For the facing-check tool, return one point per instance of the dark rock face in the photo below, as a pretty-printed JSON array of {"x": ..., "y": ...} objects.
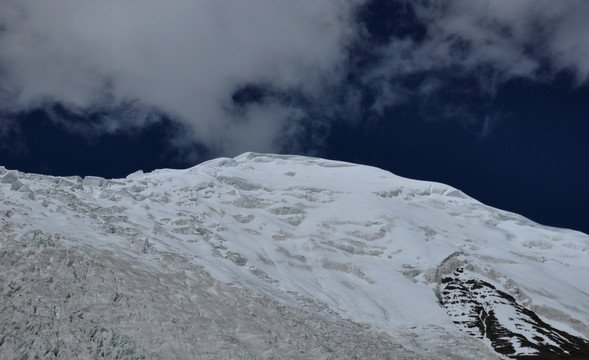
[{"x": 512, "y": 330}]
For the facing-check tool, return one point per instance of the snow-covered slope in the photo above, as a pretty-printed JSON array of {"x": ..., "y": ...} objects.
[{"x": 268, "y": 256}]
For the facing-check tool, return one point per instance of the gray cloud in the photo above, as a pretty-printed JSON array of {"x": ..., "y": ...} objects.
[
  {"x": 514, "y": 36},
  {"x": 134, "y": 60},
  {"x": 183, "y": 58},
  {"x": 488, "y": 41}
]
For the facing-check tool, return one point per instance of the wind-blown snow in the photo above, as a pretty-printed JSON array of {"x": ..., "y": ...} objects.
[{"x": 346, "y": 243}]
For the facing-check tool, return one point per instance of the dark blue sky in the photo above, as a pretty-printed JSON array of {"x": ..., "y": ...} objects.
[{"x": 512, "y": 139}]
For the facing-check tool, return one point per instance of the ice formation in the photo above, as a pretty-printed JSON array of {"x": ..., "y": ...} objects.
[{"x": 273, "y": 256}]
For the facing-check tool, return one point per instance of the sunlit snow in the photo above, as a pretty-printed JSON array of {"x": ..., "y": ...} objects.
[{"x": 311, "y": 234}]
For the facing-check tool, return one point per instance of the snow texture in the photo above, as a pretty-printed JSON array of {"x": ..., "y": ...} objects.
[{"x": 272, "y": 257}]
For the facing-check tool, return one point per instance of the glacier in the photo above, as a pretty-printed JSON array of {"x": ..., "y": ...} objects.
[{"x": 275, "y": 256}]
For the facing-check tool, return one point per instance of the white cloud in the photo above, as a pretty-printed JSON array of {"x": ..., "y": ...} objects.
[
  {"x": 515, "y": 35},
  {"x": 184, "y": 58},
  {"x": 493, "y": 41}
]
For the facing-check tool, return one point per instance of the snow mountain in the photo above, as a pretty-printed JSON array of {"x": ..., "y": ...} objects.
[{"x": 280, "y": 257}]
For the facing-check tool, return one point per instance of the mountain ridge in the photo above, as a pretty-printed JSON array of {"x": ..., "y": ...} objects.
[{"x": 348, "y": 246}]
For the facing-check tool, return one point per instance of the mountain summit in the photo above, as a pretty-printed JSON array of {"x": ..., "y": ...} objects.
[{"x": 281, "y": 257}]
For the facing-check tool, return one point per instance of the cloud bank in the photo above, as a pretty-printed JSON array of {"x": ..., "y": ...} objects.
[
  {"x": 248, "y": 75},
  {"x": 182, "y": 58}
]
